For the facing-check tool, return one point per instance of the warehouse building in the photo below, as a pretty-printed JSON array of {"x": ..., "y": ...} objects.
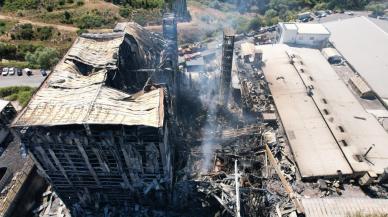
[
  {"x": 336, "y": 135},
  {"x": 98, "y": 128},
  {"x": 305, "y": 34},
  {"x": 364, "y": 45}
]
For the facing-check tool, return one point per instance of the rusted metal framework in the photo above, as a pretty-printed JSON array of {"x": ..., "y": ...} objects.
[{"x": 98, "y": 127}]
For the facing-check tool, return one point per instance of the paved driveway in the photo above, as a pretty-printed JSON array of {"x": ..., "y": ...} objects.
[{"x": 33, "y": 81}]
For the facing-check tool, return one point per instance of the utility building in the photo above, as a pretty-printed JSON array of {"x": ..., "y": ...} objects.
[
  {"x": 306, "y": 34},
  {"x": 96, "y": 129}
]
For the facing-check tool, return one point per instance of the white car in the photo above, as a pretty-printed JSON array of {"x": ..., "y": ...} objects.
[
  {"x": 349, "y": 13},
  {"x": 11, "y": 71},
  {"x": 5, "y": 72}
]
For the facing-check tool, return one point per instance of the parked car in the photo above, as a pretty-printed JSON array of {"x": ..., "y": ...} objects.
[
  {"x": 43, "y": 72},
  {"x": 351, "y": 13},
  {"x": 11, "y": 71},
  {"x": 27, "y": 71},
  {"x": 19, "y": 72},
  {"x": 5, "y": 71}
]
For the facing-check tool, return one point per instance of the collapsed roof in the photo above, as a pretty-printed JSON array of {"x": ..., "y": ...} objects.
[{"x": 78, "y": 91}]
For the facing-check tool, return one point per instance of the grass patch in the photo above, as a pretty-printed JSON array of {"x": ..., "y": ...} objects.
[
  {"x": 22, "y": 94},
  {"x": 18, "y": 64},
  {"x": 5, "y": 26}
]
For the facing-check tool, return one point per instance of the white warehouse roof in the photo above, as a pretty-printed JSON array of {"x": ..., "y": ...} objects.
[
  {"x": 365, "y": 46},
  {"x": 307, "y": 28}
]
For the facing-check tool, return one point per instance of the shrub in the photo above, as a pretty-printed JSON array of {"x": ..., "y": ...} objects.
[
  {"x": 20, "y": 93},
  {"x": 66, "y": 18},
  {"x": 14, "y": 5},
  {"x": 95, "y": 19},
  {"x": 377, "y": 9},
  {"x": 23, "y": 32},
  {"x": 2, "y": 27},
  {"x": 124, "y": 12},
  {"x": 88, "y": 21},
  {"x": 80, "y": 2},
  {"x": 44, "y": 33},
  {"x": 80, "y": 31},
  {"x": 16, "y": 52},
  {"x": 255, "y": 24},
  {"x": 44, "y": 57}
]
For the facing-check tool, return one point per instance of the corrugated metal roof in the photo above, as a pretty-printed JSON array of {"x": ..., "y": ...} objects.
[
  {"x": 317, "y": 125},
  {"x": 365, "y": 46},
  {"x": 71, "y": 97},
  {"x": 343, "y": 207}
]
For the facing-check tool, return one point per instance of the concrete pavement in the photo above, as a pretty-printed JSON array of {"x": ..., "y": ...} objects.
[{"x": 13, "y": 80}]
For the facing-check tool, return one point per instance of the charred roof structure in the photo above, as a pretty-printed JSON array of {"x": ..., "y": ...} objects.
[{"x": 98, "y": 126}]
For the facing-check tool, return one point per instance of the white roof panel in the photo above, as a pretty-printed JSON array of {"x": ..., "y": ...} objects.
[
  {"x": 365, "y": 46},
  {"x": 312, "y": 28}
]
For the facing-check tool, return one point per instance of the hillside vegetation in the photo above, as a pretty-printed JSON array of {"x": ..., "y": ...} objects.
[
  {"x": 22, "y": 94},
  {"x": 86, "y": 14},
  {"x": 270, "y": 12}
]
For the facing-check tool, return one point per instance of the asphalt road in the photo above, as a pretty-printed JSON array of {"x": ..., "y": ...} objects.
[
  {"x": 13, "y": 80},
  {"x": 383, "y": 24},
  {"x": 339, "y": 16}
]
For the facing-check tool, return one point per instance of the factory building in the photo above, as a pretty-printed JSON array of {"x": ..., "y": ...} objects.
[
  {"x": 98, "y": 128},
  {"x": 305, "y": 34},
  {"x": 353, "y": 39}
]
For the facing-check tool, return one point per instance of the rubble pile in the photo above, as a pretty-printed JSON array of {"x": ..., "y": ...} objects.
[
  {"x": 51, "y": 205},
  {"x": 256, "y": 98}
]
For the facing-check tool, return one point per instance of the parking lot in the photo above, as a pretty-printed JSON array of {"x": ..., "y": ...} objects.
[{"x": 33, "y": 80}]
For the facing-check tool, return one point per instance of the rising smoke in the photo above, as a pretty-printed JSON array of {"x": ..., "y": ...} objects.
[{"x": 208, "y": 88}]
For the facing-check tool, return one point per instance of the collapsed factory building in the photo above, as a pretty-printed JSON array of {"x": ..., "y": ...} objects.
[
  {"x": 99, "y": 127},
  {"x": 242, "y": 129}
]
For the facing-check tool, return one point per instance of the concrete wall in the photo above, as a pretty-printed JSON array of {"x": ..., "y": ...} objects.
[{"x": 315, "y": 40}]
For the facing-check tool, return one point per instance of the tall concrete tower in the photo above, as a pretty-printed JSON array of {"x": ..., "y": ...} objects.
[{"x": 226, "y": 64}]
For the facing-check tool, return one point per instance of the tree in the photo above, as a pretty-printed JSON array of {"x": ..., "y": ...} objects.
[
  {"x": 24, "y": 32},
  {"x": 44, "y": 33},
  {"x": 124, "y": 12},
  {"x": 271, "y": 13},
  {"x": 44, "y": 57},
  {"x": 377, "y": 9},
  {"x": 256, "y": 23}
]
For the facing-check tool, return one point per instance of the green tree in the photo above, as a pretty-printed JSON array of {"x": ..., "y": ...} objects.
[
  {"x": 44, "y": 57},
  {"x": 44, "y": 33},
  {"x": 256, "y": 23},
  {"x": 23, "y": 32},
  {"x": 377, "y": 9},
  {"x": 124, "y": 12},
  {"x": 14, "y": 5}
]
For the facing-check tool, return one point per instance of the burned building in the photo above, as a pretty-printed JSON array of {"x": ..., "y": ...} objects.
[
  {"x": 98, "y": 127},
  {"x": 180, "y": 9},
  {"x": 7, "y": 113}
]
